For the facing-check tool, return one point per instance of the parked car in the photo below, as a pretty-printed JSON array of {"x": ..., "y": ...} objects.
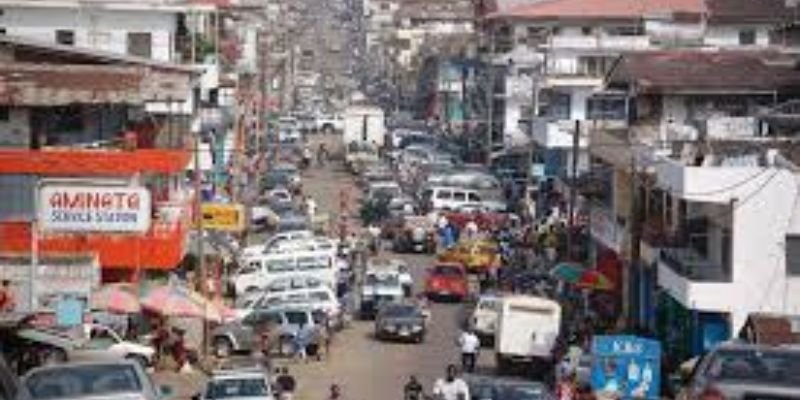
[
  {"x": 400, "y": 321},
  {"x": 447, "y": 280},
  {"x": 275, "y": 240},
  {"x": 238, "y": 384},
  {"x": 743, "y": 371},
  {"x": 103, "y": 344},
  {"x": 242, "y": 336},
  {"x": 320, "y": 298},
  {"x": 95, "y": 380}
]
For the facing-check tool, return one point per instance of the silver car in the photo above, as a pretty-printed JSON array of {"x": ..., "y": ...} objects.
[
  {"x": 120, "y": 380},
  {"x": 243, "y": 336},
  {"x": 238, "y": 384},
  {"x": 740, "y": 371}
]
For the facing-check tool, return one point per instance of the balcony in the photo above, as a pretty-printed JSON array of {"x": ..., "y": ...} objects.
[
  {"x": 600, "y": 42},
  {"x": 708, "y": 184},
  {"x": 695, "y": 281},
  {"x": 550, "y": 133}
]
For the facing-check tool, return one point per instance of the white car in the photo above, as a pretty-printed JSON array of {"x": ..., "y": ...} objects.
[
  {"x": 484, "y": 318},
  {"x": 252, "y": 384},
  {"x": 103, "y": 339}
]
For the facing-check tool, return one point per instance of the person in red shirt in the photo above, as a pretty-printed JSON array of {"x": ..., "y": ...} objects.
[{"x": 7, "y": 301}]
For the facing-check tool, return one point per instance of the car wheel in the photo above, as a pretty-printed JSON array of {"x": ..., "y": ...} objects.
[
  {"x": 223, "y": 347},
  {"x": 420, "y": 339},
  {"x": 138, "y": 358}
]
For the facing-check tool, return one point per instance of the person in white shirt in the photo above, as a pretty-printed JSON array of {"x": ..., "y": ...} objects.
[
  {"x": 472, "y": 230},
  {"x": 452, "y": 387},
  {"x": 470, "y": 345}
]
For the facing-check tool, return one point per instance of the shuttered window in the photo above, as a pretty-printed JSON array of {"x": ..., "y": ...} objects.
[
  {"x": 793, "y": 255},
  {"x": 16, "y": 201}
]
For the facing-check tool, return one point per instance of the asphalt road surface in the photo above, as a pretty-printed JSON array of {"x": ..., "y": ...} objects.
[{"x": 364, "y": 367}]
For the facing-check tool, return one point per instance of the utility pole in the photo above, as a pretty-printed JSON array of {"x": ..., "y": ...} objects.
[
  {"x": 573, "y": 190},
  {"x": 490, "y": 97},
  {"x": 198, "y": 220},
  {"x": 635, "y": 225}
]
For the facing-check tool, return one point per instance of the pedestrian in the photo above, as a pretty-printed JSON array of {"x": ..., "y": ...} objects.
[
  {"x": 567, "y": 388},
  {"x": 413, "y": 390},
  {"x": 306, "y": 157},
  {"x": 286, "y": 384},
  {"x": 470, "y": 345},
  {"x": 322, "y": 155},
  {"x": 300, "y": 343},
  {"x": 335, "y": 392},
  {"x": 7, "y": 300},
  {"x": 452, "y": 387}
]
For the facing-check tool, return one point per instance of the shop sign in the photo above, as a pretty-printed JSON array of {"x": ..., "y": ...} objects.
[
  {"x": 90, "y": 208},
  {"x": 223, "y": 217},
  {"x": 625, "y": 367}
]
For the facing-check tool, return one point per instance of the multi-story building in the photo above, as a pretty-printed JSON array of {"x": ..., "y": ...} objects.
[
  {"x": 559, "y": 51},
  {"x": 700, "y": 193},
  {"x": 78, "y": 116}
]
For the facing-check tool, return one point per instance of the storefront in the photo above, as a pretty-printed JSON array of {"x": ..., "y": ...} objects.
[{"x": 687, "y": 333}]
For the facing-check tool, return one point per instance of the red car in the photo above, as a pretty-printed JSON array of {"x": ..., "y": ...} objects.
[{"x": 447, "y": 280}]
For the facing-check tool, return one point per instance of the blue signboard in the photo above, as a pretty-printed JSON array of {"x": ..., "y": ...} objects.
[
  {"x": 626, "y": 367},
  {"x": 69, "y": 312}
]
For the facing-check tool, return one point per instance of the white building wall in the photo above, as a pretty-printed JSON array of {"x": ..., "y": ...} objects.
[
  {"x": 759, "y": 255},
  {"x": 728, "y": 35},
  {"x": 16, "y": 131},
  {"x": 99, "y": 29}
]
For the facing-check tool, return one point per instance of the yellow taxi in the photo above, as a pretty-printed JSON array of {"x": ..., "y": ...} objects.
[{"x": 476, "y": 255}]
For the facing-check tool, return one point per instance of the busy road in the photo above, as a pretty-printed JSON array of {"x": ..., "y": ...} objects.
[{"x": 365, "y": 367}]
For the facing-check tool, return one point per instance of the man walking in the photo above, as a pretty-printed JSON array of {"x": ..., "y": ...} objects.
[
  {"x": 451, "y": 387},
  {"x": 286, "y": 384},
  {"x": 470, "y": 345}
]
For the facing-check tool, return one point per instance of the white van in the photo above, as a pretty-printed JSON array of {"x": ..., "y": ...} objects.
[
  {"x": 322, "y": 298},
  {"x": 438, "y": 198},
  {"x": 527, "y": 330},
  {"x": 315, "y": 244},
  {"x": 484, "y": 317},
  {"x": 273, "y": 241},
  {"x": 259, "y": 272}
]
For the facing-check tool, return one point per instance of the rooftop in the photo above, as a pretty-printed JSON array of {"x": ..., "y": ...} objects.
[
  {"x": 706, "y": 71},
  {"x": 122, "y": 5},
  {"x": 755, "y": 11},
  {"x": 556, "y": 10}
]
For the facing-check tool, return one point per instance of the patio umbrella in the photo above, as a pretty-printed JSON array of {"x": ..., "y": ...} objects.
[
  {"x": 567, "y": 272},
  {"x": 594, "y": 280},
  {"x": 116, "y": 298},
  {"x": 172, "y": 301}
]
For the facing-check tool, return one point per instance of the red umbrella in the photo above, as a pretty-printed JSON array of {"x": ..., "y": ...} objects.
[
  {"x": 171, "y": 301},
  {"x": 116, "y": 298},
  {"x": 594, "y": 280}
]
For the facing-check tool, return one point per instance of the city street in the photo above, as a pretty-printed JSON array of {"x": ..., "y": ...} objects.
[{"x": 373, "y": 369}]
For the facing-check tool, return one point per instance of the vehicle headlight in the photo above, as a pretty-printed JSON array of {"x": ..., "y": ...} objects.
[
  {"x": 416, "y": 328},
  {"x": 389, "y": 328}
]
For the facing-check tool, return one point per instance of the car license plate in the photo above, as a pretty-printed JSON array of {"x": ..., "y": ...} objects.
[{"x": 404, "y": 332}]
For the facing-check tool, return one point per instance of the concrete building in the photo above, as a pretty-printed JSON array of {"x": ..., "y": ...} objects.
[{"x": 708, "y": 184}]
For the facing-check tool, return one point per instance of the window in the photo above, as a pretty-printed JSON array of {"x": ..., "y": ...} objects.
[
  {"x": 140, "y": 44},
  {"x": 605, "y": 108},
  {"x": 586, "y": 30},
  {"x": 5, "y": 114},
  {"x": 747, "y": 37},
  {"x": 443, "y": 195},
  {"x": 65, "y": 37},
  {"x": 556, "y": 30},
  {"x": 296, "y": 318},
  {"x": 2, "y": 31},
  {"x": 459, "y": 196},
  {"x": 793, "y": 255},
  {"x": 385, "y": 6},
  {"x": 627, "y": 30},
  {"x": 474, "y": 197}
]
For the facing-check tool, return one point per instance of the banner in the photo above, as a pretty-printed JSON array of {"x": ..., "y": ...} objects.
[{"x": 90, "y": 208}]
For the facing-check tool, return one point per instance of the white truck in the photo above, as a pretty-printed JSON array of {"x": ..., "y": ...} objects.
[
  {"x": 364, "y": 133},
  {"x": 527, "y": 331}
]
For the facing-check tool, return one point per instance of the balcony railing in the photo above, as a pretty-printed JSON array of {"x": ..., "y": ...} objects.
[{"x": 687, "y": 263}]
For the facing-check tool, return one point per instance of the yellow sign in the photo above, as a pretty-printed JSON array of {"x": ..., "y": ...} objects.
[{"x": 223, "y": 217}]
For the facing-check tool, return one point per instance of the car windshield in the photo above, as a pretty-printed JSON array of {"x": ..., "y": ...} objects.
[
  {"x": 447, "y": 270},
  {"x": 754, "y": 366},
  {"x": 229, "y": 388},
  {"x": 83, "y": 381},
  {"x": 400, "y": 311},
  {"x": 382, "y": 280}
]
